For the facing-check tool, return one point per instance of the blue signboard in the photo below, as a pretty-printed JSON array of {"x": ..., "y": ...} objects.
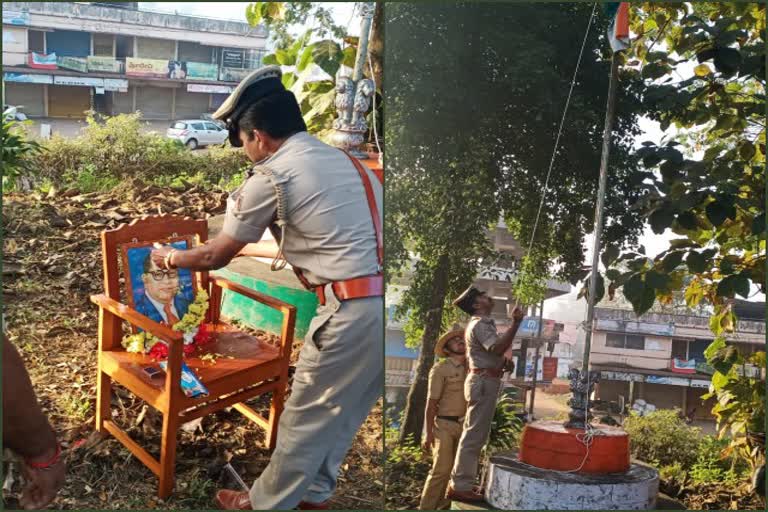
[
  {"x": 19, "y": 18},
  {"x": 529, "y": 327}
]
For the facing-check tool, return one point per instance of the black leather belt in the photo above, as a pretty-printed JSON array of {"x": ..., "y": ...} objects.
[{"x": 450, "y": 418}]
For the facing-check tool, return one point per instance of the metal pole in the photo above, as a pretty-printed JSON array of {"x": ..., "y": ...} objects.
[
  {"x": 598, "y": 231},
  {"x": 366, "y": 11},
  {"x": 536, "y": 358}
]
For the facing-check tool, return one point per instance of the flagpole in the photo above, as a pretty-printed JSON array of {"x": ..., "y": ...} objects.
[{"x": 584, "y": 382}]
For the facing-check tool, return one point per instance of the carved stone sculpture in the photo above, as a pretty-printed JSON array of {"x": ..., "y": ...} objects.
[{"x": 581, "y": 387}]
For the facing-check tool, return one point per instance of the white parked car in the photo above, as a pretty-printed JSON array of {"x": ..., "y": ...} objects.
[{"x": 195, "y": 133}]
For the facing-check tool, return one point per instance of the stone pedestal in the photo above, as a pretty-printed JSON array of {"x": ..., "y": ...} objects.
[{"x": 513, "y": 485}]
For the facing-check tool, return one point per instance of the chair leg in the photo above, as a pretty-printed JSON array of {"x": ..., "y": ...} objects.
[
  {"x": 275, "y": 410},
  {"x": 168, "y": 454},
  {"x": 103, "y": 400}
]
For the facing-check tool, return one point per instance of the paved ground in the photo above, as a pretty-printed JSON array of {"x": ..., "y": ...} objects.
[{"x": 554, "y": 407}]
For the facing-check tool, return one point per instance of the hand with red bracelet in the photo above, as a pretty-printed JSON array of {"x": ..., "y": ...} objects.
[
  {"x": 43, "y": 477},
  {"x": 27, "y": 433}
]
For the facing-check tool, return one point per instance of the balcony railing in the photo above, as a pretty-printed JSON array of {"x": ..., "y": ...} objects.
[{"x": 702, "y": 322}]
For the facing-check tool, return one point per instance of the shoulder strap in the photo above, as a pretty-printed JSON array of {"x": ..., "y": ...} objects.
[{"x": 372, "y": 206}]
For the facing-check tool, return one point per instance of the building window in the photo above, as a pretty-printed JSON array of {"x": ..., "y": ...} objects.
[
  {"x": 628, "y": 341},
  {"x": 36, "y": 41},
  {"x": 103, "y": 45},
  {"x": 680, "y": 349}
]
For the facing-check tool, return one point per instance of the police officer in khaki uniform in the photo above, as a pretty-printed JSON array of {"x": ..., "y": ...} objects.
[
  {"x": 485, "y": 349},
  {"x": 322, "y": 206},
  {"x": 445, "y": 412}
]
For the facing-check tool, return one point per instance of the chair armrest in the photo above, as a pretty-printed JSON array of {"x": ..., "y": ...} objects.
[
  {"x": 133, "y": 317},
  {"x": 252, "y": 294}
]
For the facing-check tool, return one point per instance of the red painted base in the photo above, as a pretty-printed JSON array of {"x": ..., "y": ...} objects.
[{"x": 549, "y": 445}]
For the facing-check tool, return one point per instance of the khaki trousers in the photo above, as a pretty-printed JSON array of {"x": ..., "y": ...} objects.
[
  {"x": 447, "y": 435},
  {"x": 339, "y": 377},
  {"x": 481, "y": 393}
]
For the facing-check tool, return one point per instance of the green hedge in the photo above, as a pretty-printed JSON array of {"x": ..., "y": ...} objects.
[{"x": 115, "y": 151}]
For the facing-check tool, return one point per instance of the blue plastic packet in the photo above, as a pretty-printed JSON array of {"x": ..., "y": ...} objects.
[{"x": 190, "y": 383}]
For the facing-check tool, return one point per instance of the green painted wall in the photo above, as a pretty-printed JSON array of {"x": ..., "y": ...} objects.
[{"x": 256, "y": 276}]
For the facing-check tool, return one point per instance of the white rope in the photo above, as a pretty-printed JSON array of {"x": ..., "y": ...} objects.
[
  {"x": 590, "y": 432},
  {"x": 559, "y": 134}
]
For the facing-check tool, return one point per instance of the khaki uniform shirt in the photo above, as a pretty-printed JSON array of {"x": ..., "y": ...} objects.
[
  {"x": 480, "y": 336},
  {"x": 446, "y": 384},
  {"x": 330, "y": 234}
]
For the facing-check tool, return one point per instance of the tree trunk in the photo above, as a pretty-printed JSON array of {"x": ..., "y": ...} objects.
[
  {"x": 376, "y": 52},
  {"x": 376, "y": 44},
  {"x": 413, "y": 422}
]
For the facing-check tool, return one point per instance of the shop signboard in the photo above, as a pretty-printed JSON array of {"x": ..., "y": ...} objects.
[
  {"x": 73, "y": 63},
  {"x": 18, "y": 18},
  {"x": 104, "y": 64},
  {"x": 216, "y": 89},
  {"x": 232, "y": 74},
  {"x": 81, "y": 81},
  {"x": 146, "y": 67},
  {"x": 28, "y": 78},
  {"x": 201, "y": 71}
]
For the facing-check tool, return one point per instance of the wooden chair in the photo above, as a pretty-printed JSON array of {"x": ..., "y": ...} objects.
[{"x": 256, "y": 367}]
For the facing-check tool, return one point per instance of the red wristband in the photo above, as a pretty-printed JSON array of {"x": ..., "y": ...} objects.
[{"x": 47, "y": 464}]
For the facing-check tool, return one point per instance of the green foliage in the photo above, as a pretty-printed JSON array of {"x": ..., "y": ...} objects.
[
  {"x": 531, "y": 283},
  {"x": 740, "y": 405},
  {"x": 662, "y": 438},
  {"x": 683, "y": 455},
  {"x": 282, "y": 17},
  {"x": 714, "y": 203},
  {"x": 18, "y": 151},
  {"x": 316, "y": 98},
  {"x": 117, "y": 151},
  {"x": 714, "y": 465},
  {"x": 506, "y": 427}
]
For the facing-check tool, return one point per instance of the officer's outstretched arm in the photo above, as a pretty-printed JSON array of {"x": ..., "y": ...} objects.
[
  {"x": 215, "y": 254},
  {"x": 262, "y": 249}
]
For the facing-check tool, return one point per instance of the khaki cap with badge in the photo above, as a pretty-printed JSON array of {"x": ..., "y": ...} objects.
[
  {"x": 257, "y": 85},
  {"x": 466, "y": 300}
]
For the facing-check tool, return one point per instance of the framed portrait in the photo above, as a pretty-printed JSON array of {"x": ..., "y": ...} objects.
[{"x": 163, "y": 295}]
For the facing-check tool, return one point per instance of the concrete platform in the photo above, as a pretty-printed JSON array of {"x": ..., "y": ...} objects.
[
  {"x": 663, "y": 502},
  {"x": 513, "y": 485}
]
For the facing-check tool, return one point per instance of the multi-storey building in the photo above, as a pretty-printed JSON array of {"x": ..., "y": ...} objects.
[
  {"x": 659, "y": 357},
  {"x": 61, "y": 59}
]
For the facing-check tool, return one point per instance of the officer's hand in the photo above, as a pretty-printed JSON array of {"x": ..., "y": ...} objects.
[
  {"x": 41, "y": 485},
  {"x": 518, "y": 314},
  {"x": 429, "y": 443},
  {"x": 158, "y": 255}
]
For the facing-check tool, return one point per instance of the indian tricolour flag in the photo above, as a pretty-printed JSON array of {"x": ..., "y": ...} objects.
[{"x": 618, "y": 31}]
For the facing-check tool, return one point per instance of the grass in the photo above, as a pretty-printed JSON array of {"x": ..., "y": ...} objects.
[{"x": 76, "y": 407}]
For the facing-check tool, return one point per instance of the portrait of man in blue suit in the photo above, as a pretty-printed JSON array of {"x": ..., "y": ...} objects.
[{"x": 163, "y": 298}]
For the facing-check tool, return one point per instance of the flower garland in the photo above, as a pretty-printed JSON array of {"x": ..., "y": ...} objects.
[{"x": 195, "y": 332}]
